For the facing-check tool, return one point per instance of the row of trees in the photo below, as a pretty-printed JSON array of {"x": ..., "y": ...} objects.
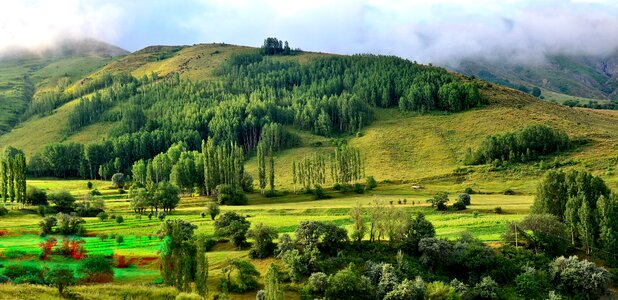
[
  {"x": 13, "y": 171},
  {"x": 520, "y": 146}
]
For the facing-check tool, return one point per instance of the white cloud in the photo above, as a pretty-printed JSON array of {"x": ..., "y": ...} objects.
[{"x": 439, "y": 31}]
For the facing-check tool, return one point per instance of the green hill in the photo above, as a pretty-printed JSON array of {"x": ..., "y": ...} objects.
[
  {"x": 398, "y": 146},
  {"x": 24, "y": 73}
]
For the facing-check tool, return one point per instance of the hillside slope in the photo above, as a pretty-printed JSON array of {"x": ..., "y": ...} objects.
[
  {"x": 579, "y": 76},
  {"x": 47, "y": 69},
  {"x": 398, "y": 146}
]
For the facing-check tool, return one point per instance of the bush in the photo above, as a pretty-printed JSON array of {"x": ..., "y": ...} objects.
[
  {"x": 3, "y": 211},
  {"x": 486, "y": 289},
  {"x": 319, "y": 193},
  {"x": 4, "y": 279},
  {"x": 213, "y": 209},
  {"x": 508, "y": 192},
  {"x": 119, "y": 239},
  {"x": 16, "y": 271},
  {"x": 41, "y": 209},
  {"x": 36, "y": 196},
  {"x": 64, "y": 201},
  {"x": 94, "y": 192},
  {"x": 337, "y": 186},
  {"x": 439, "y": 201},
  {"x": 89, "y": 185},
  {"x": 118, "y": 180},
  {"x": 459, "y": 205},
  {"x": 469, "y": 191},
  {"x": 228, "y": 195},
  {"x": 440, "y": 290},
  {"x": 70, "y": 224},
  {"x": 465, "y": 198},
  {"x": 359, "y": 188},
  {"x": 46, "y": 226},
  {"x": 371, "y": 183},
  {"x": 102, "y": 216},
  {"x": 498, "y": 210},
  {"x": 119, "y": 219},
  {"x": 102, "y": 236},
  {"x": 96, "y": 268}
]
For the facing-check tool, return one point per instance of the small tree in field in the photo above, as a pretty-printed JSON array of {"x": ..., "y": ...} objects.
[
  {"x": 213, "y": 209},
  {"x": 60, "y": 277},
  {"x": 118, "y": 180},
  {"x": 439, "y": 201}
]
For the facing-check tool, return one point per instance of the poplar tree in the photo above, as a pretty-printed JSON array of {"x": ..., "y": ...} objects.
[
  {"x": 586, "y": 226},
  {"x": 571, "y": 216},
  {"x": 201, "y": 265},
  {"x": 261, "y": 166},
  {"x": 608, "y": 226},
  {"x": 271, "y": 177},
  {"x": 272, "y": 288}
]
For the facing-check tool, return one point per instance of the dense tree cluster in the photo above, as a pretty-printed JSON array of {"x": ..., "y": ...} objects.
[
  {"x": 273, "y": 46},
  {"x": 587, "y": 208},
  {"x": 13, "y": 171},
  {"x": 183, "y": 257},
  {"x": 520, "y": 146}
]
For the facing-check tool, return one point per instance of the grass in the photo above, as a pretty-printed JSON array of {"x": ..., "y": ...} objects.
[{"x": 284, "y": 213}]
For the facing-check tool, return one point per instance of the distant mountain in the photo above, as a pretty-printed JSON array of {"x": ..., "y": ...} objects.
[
  {"x": 64, "y": 48},
  {"x": 579, "y": 76}
]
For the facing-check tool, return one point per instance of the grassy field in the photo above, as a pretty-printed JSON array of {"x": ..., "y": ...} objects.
[{"x": 141, "y": 244}]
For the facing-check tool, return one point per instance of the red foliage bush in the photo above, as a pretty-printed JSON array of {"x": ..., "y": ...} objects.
[
  {"x": 120, "y": 261},
  {"x": 77, "y": 249},
  {"x": 46, "y": 248},
  {"x": 4, "y": 232}
]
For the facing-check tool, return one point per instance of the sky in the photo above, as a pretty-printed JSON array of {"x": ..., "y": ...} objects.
[{"x": 440, "y": 31}]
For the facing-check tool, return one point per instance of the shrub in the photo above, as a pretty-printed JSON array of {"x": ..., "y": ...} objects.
[
  {"x": 64, "y": 201},
  {"x": 213, "y": 209},
  {"x": 579, "y": 278},
  {"x": 440, "y": 290},
  {"x": 119, "y": 239},
  {"x": 41, "y": 209},
  {"x": 36, "y": 196},
  {"x": 319, "y": 193},
  {"x": 439, "y": 201},
  {"x": 102, "y": 216},
  {"x": 337, "y": 186},
  {"x": 4, "y": 279},
  {"x": 498, "y": 210},
  {"x": 487, "y": 288},
  {"x": 162, "y": 216},
  {"x": 228, "y": 195},
  {"x": 118, "y": 180},
  {"x": 3, "y": 211},
  {"x": 94, "y": 192},
  {"x": 371, "y": 183},
  {"x": 263, "y": 237},
  {"x": 16, "y": 271},
  {"x": 96, "y": 268},
  {"x": 47, "y": 225},
  {"x": 233, "y": 226},
  {"x": 47, "y": 247},
  {"x": 89, "y": 185},
  {"x": 469, "y": 191},
  {"x": 359, "y": 188},
  {"x": 508, "y": 192},
  {"x": 465, "y": 198},
  {"x": 459, "y": 205},
  {"x": 102, "y": 236},
  {"x": 70, "y": 224},
  {"x": 119, "y": 219}
]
